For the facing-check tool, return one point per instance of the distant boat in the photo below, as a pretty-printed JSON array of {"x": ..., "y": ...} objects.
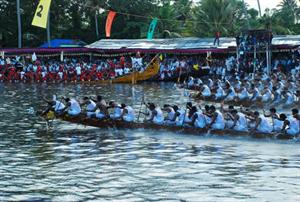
[{"x": 151, "y": 70}]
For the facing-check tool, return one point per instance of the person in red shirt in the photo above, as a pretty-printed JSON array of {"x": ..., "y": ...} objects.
[{"x": 122, "y": 61}]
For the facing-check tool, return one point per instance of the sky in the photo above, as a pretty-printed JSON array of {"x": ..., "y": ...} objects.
[{"x": 263, "y": 4}]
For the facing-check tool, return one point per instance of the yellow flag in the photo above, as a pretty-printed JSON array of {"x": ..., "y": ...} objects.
[
  {"x": 161, "y": 57},
  {"x": 196, "y": 67},
  {"x": 41, "y": 14}
]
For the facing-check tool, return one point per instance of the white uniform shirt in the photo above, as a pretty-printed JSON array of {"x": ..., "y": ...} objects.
[{"x": 206, "y": 91}]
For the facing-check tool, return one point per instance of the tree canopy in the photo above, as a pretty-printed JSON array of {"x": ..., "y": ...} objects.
[{"x": 75, "y": 19}]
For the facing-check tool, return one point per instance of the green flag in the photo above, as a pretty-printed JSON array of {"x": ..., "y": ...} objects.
[{"x": 152, "y": 28}]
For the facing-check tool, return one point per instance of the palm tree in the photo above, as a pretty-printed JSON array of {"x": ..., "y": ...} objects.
[
  {"x": 217, "y": 15},
  {"x": 290, "y": 11},
  {"x": 169, "y": 26}
]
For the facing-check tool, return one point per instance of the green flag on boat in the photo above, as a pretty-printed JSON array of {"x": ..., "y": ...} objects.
[{"x": 152, "y": 28}]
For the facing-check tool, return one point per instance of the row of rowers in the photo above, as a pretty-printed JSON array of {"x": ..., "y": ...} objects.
[
  {"x": 283, "y": 92},
  {"x": 193, "y": 116}
]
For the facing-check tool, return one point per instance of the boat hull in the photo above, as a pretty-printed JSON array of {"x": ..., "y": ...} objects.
[{"x": 118, "y": 124}]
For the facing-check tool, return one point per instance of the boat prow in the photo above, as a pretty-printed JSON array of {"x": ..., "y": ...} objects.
[{"x": 150, "y": 71}]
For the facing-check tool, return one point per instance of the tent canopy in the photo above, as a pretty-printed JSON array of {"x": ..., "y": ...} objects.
[
  {"x": 56, "y": 43},
  {"x": 183, "y": 43}
]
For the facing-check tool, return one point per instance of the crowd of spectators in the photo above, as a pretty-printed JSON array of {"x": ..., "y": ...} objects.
[
  {"x": 68, "y": 70},
  {"x": 171, "y": 67}
]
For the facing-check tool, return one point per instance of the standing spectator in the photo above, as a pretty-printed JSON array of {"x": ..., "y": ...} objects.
[{"x": 217, "y": 38}]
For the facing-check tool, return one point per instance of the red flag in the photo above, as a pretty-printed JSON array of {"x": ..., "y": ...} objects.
[{"x": 109, "y": 20}]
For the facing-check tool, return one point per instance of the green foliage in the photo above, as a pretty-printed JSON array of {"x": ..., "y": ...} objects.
[{"x": 75, "y": 19}]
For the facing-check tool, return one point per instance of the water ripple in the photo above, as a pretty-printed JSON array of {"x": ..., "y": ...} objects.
[{"x": 75, "y": 163}]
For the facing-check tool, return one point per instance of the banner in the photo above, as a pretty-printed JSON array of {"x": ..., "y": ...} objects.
[
  {"x": 109, "y": 20},
  {"x": 152, "y": 28},
  {"x": 41, "y": 14}
]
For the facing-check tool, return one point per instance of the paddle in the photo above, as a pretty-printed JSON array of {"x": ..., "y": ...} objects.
[{"x": 141, "y": 105}]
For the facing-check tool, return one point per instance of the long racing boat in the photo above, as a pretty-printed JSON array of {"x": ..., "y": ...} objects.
[
  {"x": 150, "y": 71},
  {"x": 245, "y": 103},
  {"x": 119, "y": 124}
]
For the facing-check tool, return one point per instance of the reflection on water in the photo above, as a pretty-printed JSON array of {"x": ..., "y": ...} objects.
[{"x": 76, "y": 163}]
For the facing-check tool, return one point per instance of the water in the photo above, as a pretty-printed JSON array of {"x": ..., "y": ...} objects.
[{"x": 76, "y": 163}]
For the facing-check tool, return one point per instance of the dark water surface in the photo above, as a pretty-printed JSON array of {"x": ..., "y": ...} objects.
[{"x": 76, "y": 163}]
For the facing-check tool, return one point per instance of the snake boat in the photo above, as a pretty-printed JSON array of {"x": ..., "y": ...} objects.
[
  {"x": 150, "y": 71},
  {"x": 244, "y": 103},
  {"x": 119, "y": 124}
]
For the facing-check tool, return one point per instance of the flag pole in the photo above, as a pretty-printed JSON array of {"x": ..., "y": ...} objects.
[
  {"x": 48, "y": 30},
  {"x": 19, "y": 25}
]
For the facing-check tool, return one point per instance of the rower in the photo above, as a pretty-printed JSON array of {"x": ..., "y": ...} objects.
[
  {"x": 220, "y": 93},
  {"x": 117, "y": 111},
  {"x": 277, "y": 123},
  {"x": 205, "y": 91},
  {"x": 230, "y": 94},
  {"x": 198, "y": 119},
  {"x": 243, "y": 93},
  {"x": 207, "y": 114},
  {"x": 156, "y": 114},
  {"x": 101, "y": 108},
  {"x": 90, "y": 105},
  {"x": 256, "y": 96},
  {"x": 210, "y": 83},
  {"x": 217, "y": 119},
  {"x": 72, "y": 107},
  {"x": 128, "y": 114},
  {"x": 288, "y": 97},
  {"x": 189, "y": 117},
  {"x": 291, "y": 125},
  {"x": 261, "y": 123},
  {"x": 239, "y": 121},
  {"x": 53, "y": 105},
  {"x": 266, "y": 95},
  {"x": 170, "y": 115},
  {"x": 277, "y": 95},
  {"x": 190, "y": 83},
  {"x": 179, "y": 115}
]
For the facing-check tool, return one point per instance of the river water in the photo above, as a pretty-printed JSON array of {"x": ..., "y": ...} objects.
[{"x": 76, "y": 163}]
